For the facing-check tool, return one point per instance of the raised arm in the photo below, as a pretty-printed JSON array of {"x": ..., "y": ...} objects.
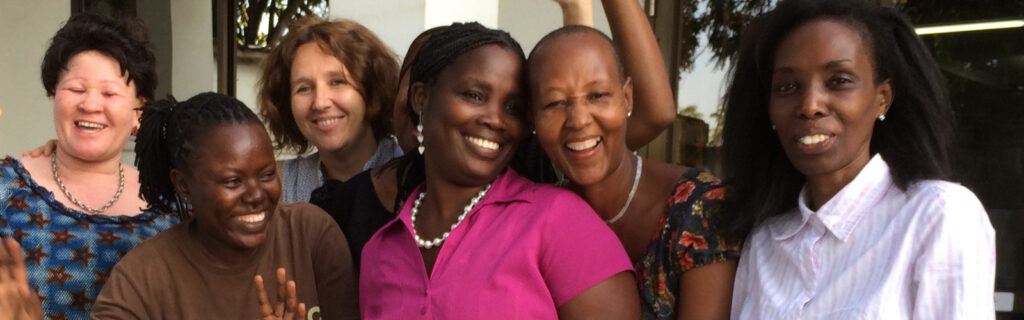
[
  {"x": 577, "y": 12},
  {"x": 654, "y": 107}
]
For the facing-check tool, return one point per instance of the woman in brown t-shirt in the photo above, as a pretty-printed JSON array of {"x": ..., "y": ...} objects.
[{"x": 210, "y": 159}]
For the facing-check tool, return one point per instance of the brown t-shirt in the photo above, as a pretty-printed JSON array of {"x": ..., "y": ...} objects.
[{"x": 170, "y": 276}]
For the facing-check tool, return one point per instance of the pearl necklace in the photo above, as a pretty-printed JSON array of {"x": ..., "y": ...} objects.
[
  {"x": 437, "y": 241},
  {"x": 88, "y": 209},
  {"x": 632, "y": 192}
]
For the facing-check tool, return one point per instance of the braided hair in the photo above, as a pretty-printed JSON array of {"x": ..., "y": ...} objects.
[
  {"x": 168, "y": 137},
  {"x": 441, "y": 50}
]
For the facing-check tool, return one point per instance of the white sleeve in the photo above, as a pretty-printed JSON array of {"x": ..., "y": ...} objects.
[{"x": 954, "y": 272}]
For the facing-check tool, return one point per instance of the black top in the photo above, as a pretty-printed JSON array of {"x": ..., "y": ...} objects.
[{"x": 354, "y": 206}]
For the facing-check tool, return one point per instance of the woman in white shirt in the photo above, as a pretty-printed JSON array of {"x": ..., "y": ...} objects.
[{"x": 836, "y": 145}]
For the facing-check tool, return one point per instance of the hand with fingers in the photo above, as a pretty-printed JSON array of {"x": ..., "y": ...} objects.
[
  {"x": 17, "y": 300},
  {"x": 42, "y": 151},
  {"x": 287, "y": 306}
]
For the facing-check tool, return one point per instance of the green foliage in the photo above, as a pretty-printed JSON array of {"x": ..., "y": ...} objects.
[
  {"x": 721, "y": 22},
  {"x": 261, "y": 23}
]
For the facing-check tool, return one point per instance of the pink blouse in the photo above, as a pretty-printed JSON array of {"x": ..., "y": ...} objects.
[{"x": 525, "y": 250}]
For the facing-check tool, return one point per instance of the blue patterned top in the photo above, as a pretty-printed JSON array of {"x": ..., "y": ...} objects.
[{"x": 68, "y": 253}]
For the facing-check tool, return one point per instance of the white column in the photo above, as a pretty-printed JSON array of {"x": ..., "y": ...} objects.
[{"x": 193, "y": 67}]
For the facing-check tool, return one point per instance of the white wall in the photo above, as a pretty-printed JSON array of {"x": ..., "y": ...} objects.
[
  {"x": 193, "y": 66},
  {"x": 444, "y": 12},
  {"x": 158, "y": 23},
  {"x": 247, "y": 74},
  {"x": 530, "y": 20},
  {"x": 25, "y": 31},
  {"x": 396, "y": 22}
]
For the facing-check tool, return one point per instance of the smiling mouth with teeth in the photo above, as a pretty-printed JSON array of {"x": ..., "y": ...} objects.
[
  {"x": 813, "y": 139},
  {"x": 484, "y": 143},
  {"x": 583, "y": 145},
  {"x": 89, "y": 125},
  {"x": 326, "y": 122},
  {"x": 252, "y": 218}
]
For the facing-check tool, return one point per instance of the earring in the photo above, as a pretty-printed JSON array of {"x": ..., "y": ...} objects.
[
  {"x": 881, "y": 117},
  {"x": 419, "y": 137},
  {"x": 629, "y": 114},
  {"x": 773, "y": 127}
]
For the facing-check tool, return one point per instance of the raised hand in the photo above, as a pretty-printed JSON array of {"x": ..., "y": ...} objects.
[
  {"x": 42, "y": 151},
  {"x": 17, "y": 300},
  {"x": 287, "y": 306}
]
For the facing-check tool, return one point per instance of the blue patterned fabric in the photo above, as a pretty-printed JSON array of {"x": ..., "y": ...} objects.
[{"x": 68, "y": 253}]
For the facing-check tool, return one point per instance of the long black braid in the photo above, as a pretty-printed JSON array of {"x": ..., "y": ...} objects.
[
  {"x": 169, "y": 136},
  {"x": 443, "y": 47}
]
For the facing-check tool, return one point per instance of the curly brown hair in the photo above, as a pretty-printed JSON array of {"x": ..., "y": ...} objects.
[{"x": 371, "y": 64}]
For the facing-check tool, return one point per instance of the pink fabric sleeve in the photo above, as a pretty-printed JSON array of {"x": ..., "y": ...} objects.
[{"x": 578, "y": 250}]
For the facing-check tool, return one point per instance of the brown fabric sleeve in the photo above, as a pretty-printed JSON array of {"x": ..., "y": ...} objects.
[{"x": 120, "y": 298}]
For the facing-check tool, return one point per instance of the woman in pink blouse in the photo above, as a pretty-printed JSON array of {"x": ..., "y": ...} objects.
[
  {"x": 476, "y": 240},
  {"x": 837, "y": 132}
]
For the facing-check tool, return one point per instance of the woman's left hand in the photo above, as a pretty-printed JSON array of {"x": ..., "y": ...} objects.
[
  {"x": 17, "y": 300},
  {"x": 287, "y": 306}
]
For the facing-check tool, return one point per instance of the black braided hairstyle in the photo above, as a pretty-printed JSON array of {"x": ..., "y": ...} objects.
[
  {"x": 440, "y": 50},
  {"x": 168, "y": 137}
]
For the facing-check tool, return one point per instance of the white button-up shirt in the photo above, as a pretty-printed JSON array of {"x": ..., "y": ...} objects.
[{"x": 873, "y": 251}]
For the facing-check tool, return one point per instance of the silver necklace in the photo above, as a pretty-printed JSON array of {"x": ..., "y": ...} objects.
[
  {"x": 427, "y": 244},
  {"x": 88, "y": 209},
  {"x": 632, "y": 192}
]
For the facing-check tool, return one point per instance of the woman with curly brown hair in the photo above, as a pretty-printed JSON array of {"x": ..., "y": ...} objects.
[{"x": 329, "y": 85}]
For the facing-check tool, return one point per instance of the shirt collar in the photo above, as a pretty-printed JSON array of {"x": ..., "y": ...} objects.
[{"x": 840, "y": 214}]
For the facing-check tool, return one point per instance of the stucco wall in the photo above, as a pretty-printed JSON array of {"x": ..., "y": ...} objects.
[{"x": 25, "y": 30}]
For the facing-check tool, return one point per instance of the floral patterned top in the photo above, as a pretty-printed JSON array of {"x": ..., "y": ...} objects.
[
  {"x": 68, "y": 253},
  {"x": 684, "y": 242}
]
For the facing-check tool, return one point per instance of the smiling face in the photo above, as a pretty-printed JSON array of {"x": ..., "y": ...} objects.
[
  {"x": 580, "y": 103},
  {"x": 94, "y": 107},
  {"x": 472, "y": 115},
  {"x": 233, "y": 185},
  {"x": 825, "y": 99},
  {"x": 328, "y": 108}
]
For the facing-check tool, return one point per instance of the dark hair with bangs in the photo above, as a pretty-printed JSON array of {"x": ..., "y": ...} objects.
[
  {"x": 914, "y": 139},
  {"x": 123, "y": 40},
  {"x": 373, "y": 67}
]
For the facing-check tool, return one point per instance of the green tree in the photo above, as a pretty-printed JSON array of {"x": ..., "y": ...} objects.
[
  {"x": 261, "y": 23},
  {"x": 721, "y": 22}
]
